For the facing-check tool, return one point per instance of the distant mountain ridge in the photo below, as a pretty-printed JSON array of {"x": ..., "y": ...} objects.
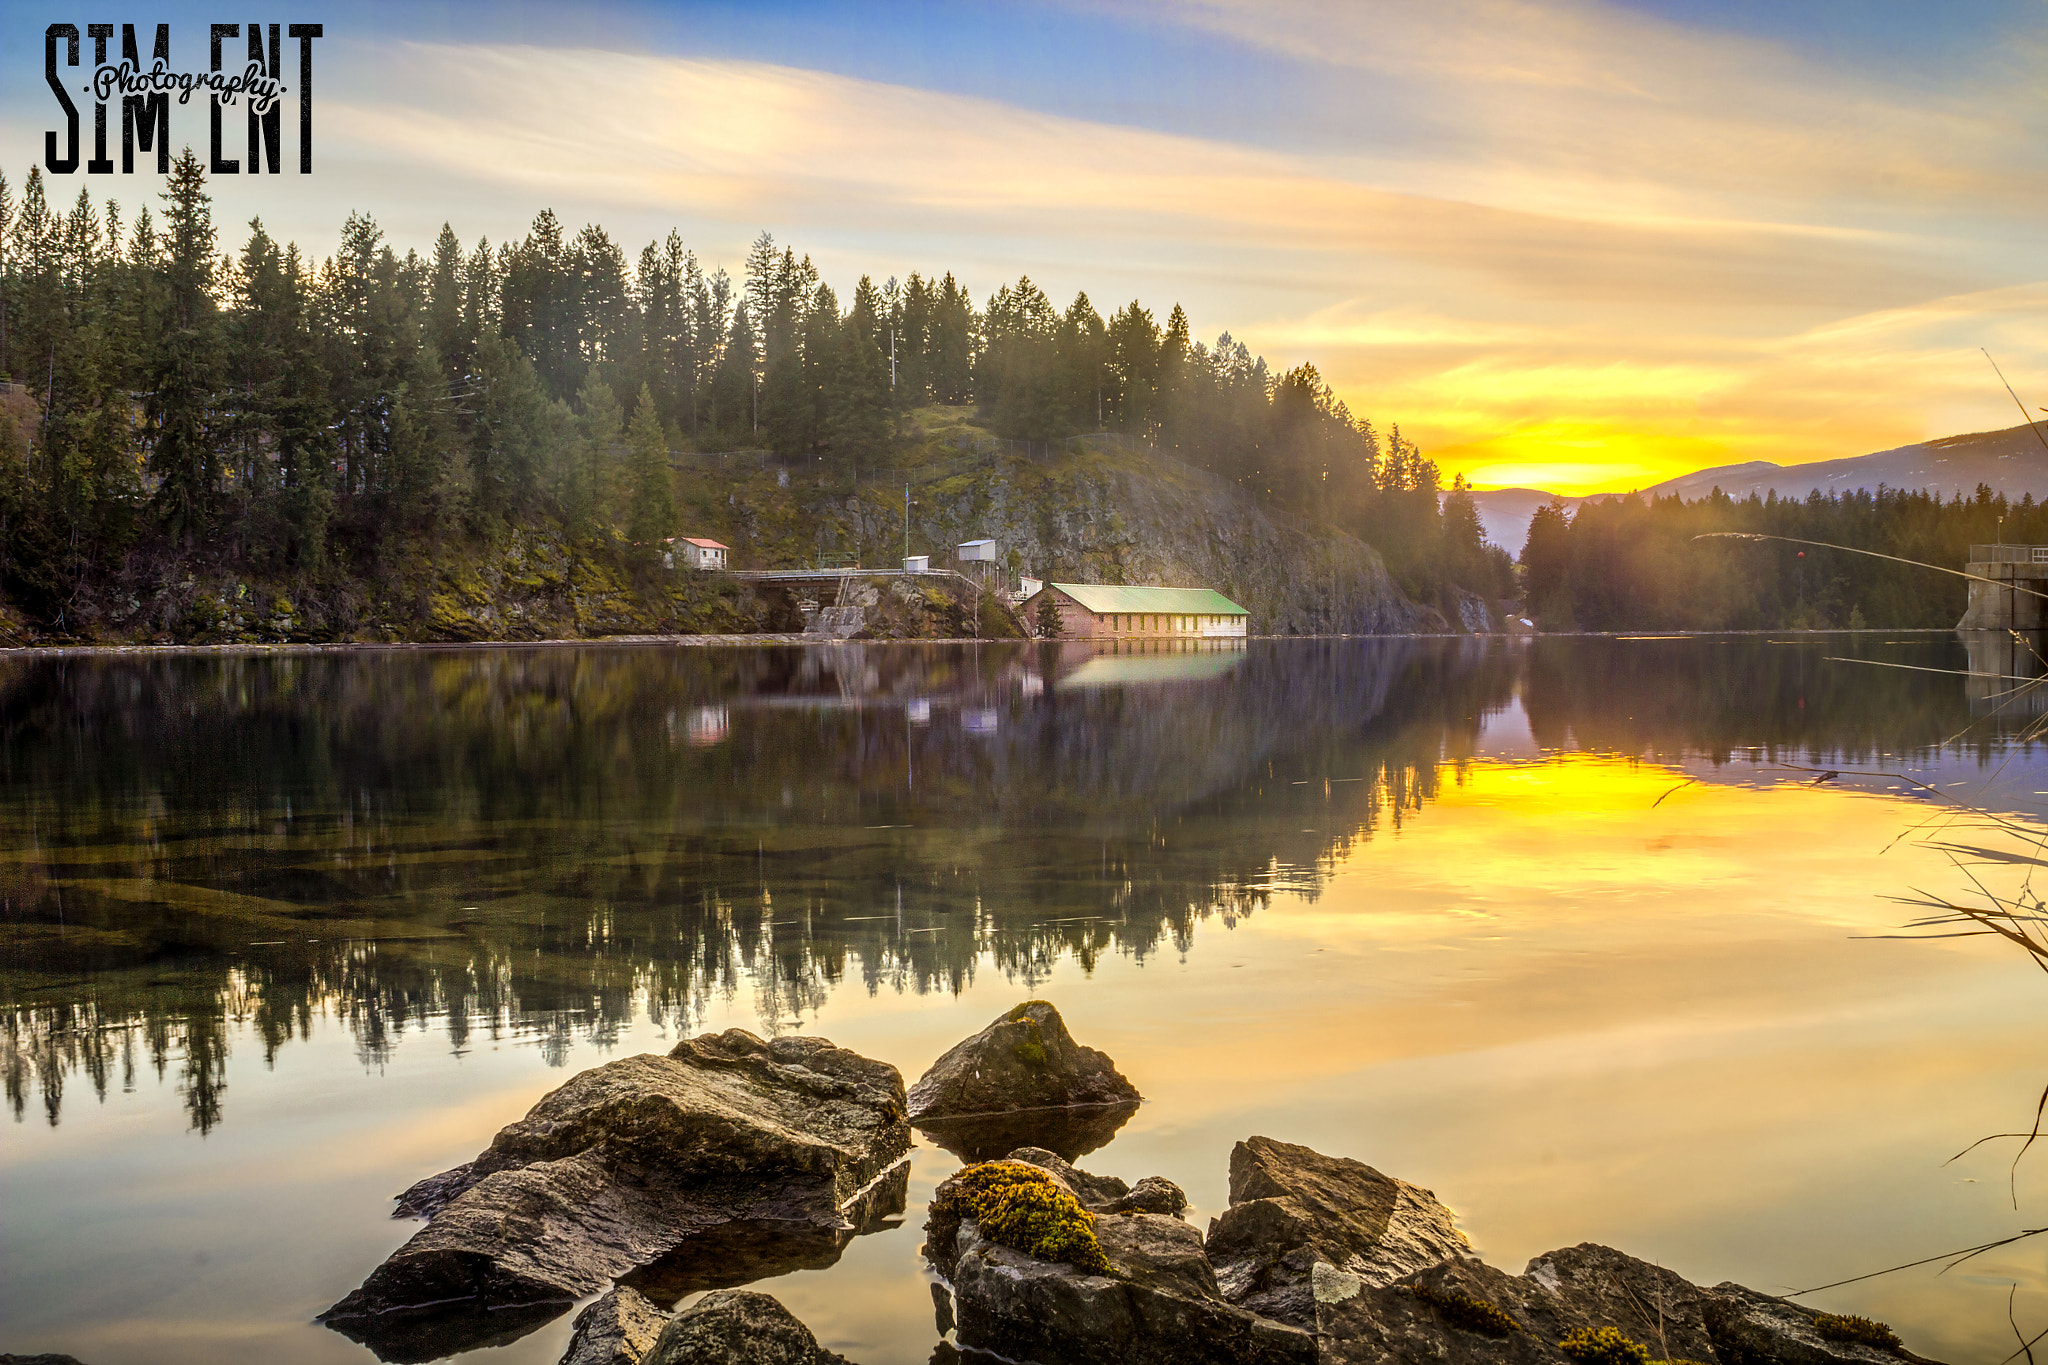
[{"x": 2013, "y": 462}]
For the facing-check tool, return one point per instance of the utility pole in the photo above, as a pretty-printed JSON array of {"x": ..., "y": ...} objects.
[
  {"x": 892, "y": 365},
  {"x": 906, "y": 525},
  {"x": 757, "y": 407}
]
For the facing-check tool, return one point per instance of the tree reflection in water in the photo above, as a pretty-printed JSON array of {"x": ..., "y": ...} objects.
[{"x": 541, "y": 842}]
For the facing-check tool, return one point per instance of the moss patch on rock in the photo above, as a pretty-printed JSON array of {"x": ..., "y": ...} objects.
[
  {"x": 1023, "y": 1208},
  {"x": 1604, "y": 1346},
  {"x": 1848, "y": 1327},
  {"x": 1467, "y": 1312}
]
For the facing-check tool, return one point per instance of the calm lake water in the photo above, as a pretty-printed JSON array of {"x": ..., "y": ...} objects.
[{"x": 284, "y": 933}]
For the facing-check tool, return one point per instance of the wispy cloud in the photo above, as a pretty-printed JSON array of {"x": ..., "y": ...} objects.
[{"x": 1538, "y": 233}]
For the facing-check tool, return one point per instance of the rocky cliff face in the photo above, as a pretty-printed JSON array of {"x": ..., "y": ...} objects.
[{"x": 1096, "y": 519}]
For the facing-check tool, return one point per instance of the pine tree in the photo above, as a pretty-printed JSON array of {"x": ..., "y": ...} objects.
[
  {"x": 596, "y": 488},
  {"x": 1046, "y": 621},
  {"x": 179, "y": 408},
  {"x": 446, "y": 329},
  {"x": 651, "y": 515}
]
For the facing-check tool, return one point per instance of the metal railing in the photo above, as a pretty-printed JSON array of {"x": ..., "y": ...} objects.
[{"x": 2009, "y": 554}]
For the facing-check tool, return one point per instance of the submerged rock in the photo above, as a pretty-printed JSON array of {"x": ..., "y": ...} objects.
[
  {"x": 1024, "y": 1060},
  {"x": 738, "y": 1327},
  {"x": 620, "y": 1328},
  {"x": 1291, "y": 1207},
  {"x": 626, "y": 1162}
]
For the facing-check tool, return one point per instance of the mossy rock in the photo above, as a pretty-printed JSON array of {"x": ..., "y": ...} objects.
[
  {"x": 1025, "y": 1209},
  {"x": 1847, "y": 1327},
  {"x": 1467, "y": 1312},
  {"x": 1604, "y": 1346}
]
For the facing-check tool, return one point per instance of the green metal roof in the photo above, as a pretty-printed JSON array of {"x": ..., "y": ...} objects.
[{"x": 1103, "y": 598}]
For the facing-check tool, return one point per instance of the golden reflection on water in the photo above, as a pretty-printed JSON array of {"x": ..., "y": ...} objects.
[{"x": 1579, "y": 996}]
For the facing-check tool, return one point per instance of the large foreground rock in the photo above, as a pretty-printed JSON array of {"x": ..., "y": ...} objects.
[
  {"x": 1158, "y": 1308},
  {"x": 1024, "y": 1060},
  {"x": 727, "y": 1327},
  {"x": 1465, "y": 1312},
  {"x": 1159, "y": 1305},
  {"x": 627, "y": 1162},
  {"x": 738, "y": 1327},
  {"x": 619, "y": 1328},
  {"x": 1608, "y": 1288},
  {"x": 1320, "y": 1258},
  {"x": 1291, "y": 1207}
]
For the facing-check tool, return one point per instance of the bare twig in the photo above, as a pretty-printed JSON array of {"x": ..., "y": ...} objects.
[
  {"x": 1679, "y": 788},
  {"x": 2032, "y": 1136},
  {"x": 1954, "y": 1259},
  {"x": 2016, "y": 400}
]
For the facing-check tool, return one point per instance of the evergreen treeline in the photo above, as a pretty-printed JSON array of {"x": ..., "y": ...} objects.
[
  {"x": 288, "y": 416},
  {"x": 1629, "y": 564}
]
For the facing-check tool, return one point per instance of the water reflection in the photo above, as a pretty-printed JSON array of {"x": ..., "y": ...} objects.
[{"x": 539, "y": 843}]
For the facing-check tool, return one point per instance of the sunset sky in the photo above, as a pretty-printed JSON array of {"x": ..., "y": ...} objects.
[{"x": 1583, "y": 246}]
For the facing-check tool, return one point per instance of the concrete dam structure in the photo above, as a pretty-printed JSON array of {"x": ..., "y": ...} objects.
[{"x": 2012, "y": 598}]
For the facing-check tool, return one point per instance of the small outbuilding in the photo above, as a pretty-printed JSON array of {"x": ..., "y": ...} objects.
[
  {"x": 977, "y": 552},
  {"x": 1107, "y": 611},
  {"x": 698, "y": 553}
]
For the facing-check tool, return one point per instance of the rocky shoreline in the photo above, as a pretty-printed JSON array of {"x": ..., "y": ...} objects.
[{"x": 732, "y": 1159}]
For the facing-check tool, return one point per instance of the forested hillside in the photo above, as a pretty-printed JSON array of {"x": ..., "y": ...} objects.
[{"x": 176, "y": 408}]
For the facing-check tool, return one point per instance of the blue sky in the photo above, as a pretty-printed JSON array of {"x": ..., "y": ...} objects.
[{"x": 1589, "y": 244}]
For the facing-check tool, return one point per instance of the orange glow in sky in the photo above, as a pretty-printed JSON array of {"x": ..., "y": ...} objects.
[{"x": 1564, "y": 243}]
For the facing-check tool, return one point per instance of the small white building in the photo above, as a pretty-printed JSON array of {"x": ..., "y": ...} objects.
[
  {"x": 701, "y": 554},
  {"x": 917, "y": 563},
  {"x": 977, "y": 552}
]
